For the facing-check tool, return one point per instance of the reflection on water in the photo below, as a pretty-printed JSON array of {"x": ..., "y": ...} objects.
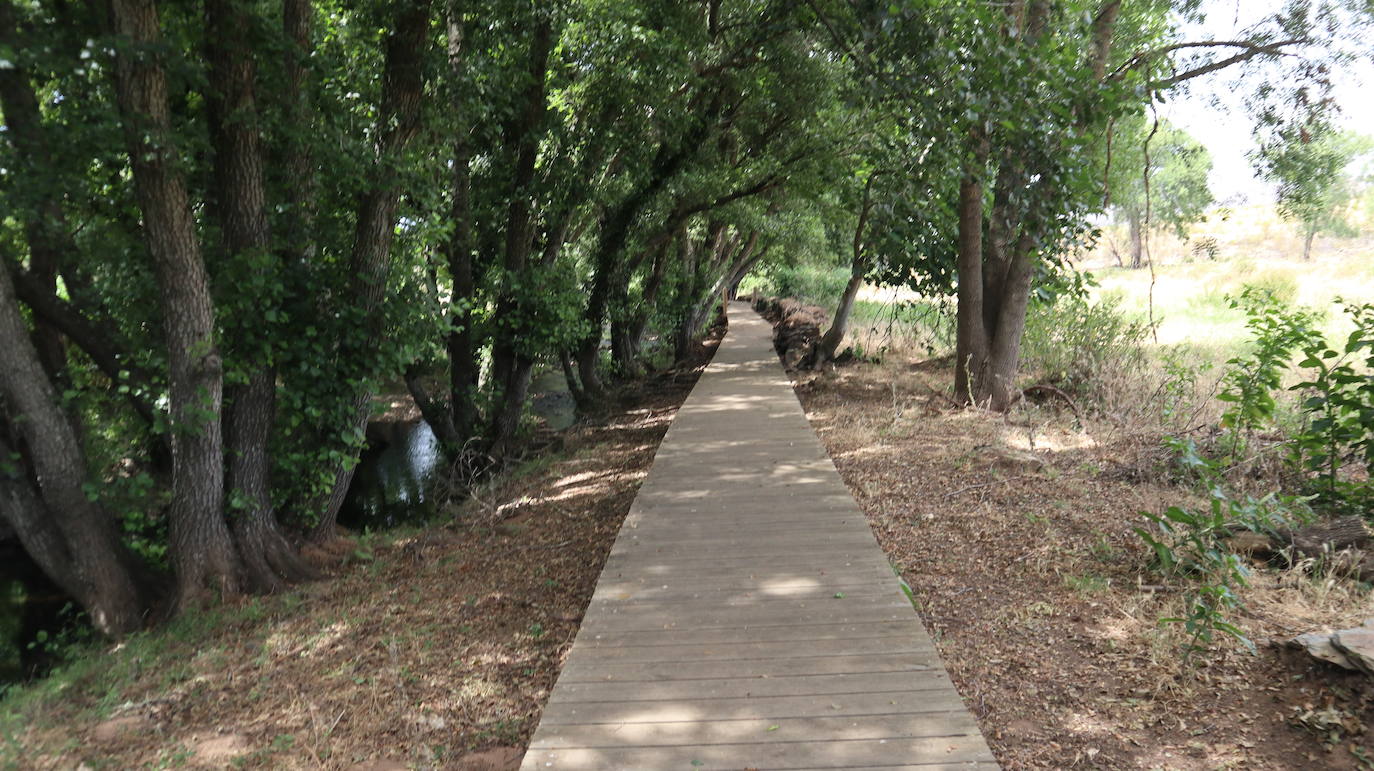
[
  {"x": 391, "y": 485},
  {"x": 397, "y": 469},
  {"x": 550, "y": 400}
]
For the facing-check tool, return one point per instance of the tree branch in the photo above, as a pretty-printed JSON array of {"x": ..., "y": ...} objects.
[{"x": 1250, "y": 50}]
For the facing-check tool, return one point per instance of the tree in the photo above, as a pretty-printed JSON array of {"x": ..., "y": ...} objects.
[
  {"x": 1158, "y": 179},
  {"x": 1017, "y": 99},
  {"x": 1311, "y": 166}
]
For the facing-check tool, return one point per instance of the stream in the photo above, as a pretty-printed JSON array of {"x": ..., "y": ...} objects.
[{"x": 398, "y": 467}]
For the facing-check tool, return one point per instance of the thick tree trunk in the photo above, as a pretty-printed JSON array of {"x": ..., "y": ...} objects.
[
  {"x": 971, "y": 336},
  {"x": 250, "y": 410},
  {"x": 998, "y": 388},
  {"x": 90, "y": 560},
  {"x": 22, "y": 509},
  {"x": 296, "y": 162},
  {"x": 464, "y": 368},
  {"x": 510, "y": 366},
  {"x": 370, "y": 261},
  {"x": 1307, "y": 243},
  {"x": 201, "y": 549}
]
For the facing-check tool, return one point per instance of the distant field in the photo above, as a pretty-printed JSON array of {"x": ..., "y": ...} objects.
[
  {"x": 1191, "y": 289},
  {"x": 1252, "y": 247}
]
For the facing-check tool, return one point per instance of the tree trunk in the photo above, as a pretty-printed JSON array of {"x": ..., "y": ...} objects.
[
  {"x": 1307, "y": 243},
  {"x": 971, "y": 336},
  {"x": 511, "y": 367},
  {"x": 830, "y": 341},
  {"x": 250, "y": 410},
  {"x": 298, "y": 228},
  {"x": 370, "y": 261},
  {"x": 201, "y": 549},
  {"x": 640, "y": 320},
  {"x": 22, "y": 509},
  {"x": 998, "y": 387},
  {"x": 839, "y": 327},
  {"x": 89, "y": 560},
  {"x": 584, "y": 405},
  {"x": 1137, "y": 229},
  {"x": 458, "y": 249}
]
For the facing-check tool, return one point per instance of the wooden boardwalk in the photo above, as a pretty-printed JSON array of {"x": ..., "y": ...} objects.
[{"x": 746, "y": 617}]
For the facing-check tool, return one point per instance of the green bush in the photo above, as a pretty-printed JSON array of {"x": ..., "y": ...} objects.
[
  {"x": 1191, "y": 545},
  {"x": 1340, "y": 411},
  {"x": 1075, "y": 344},
  {"x": 814, "y": 284}
]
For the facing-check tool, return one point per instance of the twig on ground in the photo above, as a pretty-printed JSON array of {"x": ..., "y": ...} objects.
[
  {"x": 940, "y": 394},
  {"x": 984, "y": 484},
  {"x": 1047, "y": 388}
]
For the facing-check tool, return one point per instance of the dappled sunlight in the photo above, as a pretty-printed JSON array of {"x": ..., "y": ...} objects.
[{"x": 1048, "y": 441}]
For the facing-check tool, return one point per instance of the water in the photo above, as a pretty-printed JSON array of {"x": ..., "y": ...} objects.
[
  {"x": 396, "y": 470},
  {"x": 551, "y": 400},
  {"x": 30, "y": 603}
]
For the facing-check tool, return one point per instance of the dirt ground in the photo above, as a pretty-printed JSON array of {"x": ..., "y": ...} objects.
[
  {"x": 428, "y": 648},
  {"x": 1027, "y": 573}
]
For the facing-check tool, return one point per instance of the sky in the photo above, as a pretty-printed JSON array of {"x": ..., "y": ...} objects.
[{"x": 1212, "y": 109}]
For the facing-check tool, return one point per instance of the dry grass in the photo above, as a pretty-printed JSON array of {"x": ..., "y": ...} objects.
[{"x": 1040, "y": 595}]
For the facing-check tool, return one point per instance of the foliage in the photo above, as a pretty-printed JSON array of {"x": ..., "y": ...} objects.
[
  {"x": 1249, "y": 385},
  {"x": 1191, "y": 545},
  {"x": 1074, "y": 343},
  {"x": 1316, "y": 176},
  {"x": 1339, "y": 405},
  {"x": 815, "y": 284},
  {"x": 1178, "y": 167}
]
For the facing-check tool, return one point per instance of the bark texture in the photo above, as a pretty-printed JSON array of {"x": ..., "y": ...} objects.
[
  {"x": 201, "y": 548},
  {"x": 72, "y": 538}
]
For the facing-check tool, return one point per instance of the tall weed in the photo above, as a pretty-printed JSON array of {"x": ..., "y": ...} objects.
[{"x": 1078, "y": 346}]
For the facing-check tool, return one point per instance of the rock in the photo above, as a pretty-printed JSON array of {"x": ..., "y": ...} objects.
[
  {"x": 116, "y": 728},
  {"x": 1358, "y": 646},
  {"x": 1319, "y": 646},
  {"x": 219, "y": 750},
  {"x": 1011, "y": 459},
  {"x": 1250, "y": 542},
  {"x": 495, "y": 759}
]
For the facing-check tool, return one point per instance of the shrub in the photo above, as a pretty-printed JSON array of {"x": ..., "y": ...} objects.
[
  {"x": 1340, "y": 409},
  {"x": 1191, "y": 545},
  {"x": 819, "y": 285},
  {"x": 1076, "y": 344}
]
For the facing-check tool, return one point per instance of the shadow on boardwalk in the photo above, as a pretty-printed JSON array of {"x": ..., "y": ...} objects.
[{"x": 746, "y": 617}]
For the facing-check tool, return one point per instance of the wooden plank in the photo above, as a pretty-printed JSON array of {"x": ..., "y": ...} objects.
[
  {"x": 706, "y": 655},
  {"x": 584, "y": 670},
  {"x": 764, "y": 707},
  {"x": 748, "y": 730},
  {"x": 942, "y": 752},
  {"x": 774, "y": 633},
  {"x": 738, "y": 688}
]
